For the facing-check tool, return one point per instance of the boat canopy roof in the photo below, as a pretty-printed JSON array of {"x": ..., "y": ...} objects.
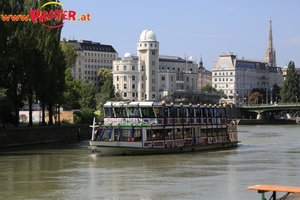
[{"x": 152, "y": 104}]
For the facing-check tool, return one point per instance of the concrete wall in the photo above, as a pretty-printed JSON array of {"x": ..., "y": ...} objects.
[{"x": 17, "y": 137}]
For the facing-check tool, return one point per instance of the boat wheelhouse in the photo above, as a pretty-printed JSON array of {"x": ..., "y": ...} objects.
[{"x": 149, "y": 127}]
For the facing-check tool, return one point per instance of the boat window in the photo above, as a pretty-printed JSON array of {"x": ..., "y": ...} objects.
[
  {"x": 158, "y": 112},
  {"x": 124, "y": 134},
  {"x": 137, "y": 135},
  {"x": 107, "y": 112},
  {"x": 134, "y": 112},
  {"x": 173, "y": 112},
  {"x": 105, "y": 135},
  {"x": 147, "y": 112},
  {"x": 120, "y": 112}
]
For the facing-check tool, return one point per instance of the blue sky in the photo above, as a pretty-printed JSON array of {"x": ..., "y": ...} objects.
[{"x": 192, "y": 27}]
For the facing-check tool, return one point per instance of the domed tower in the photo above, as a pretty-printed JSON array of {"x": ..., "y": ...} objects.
[{"x": 148, "y": 52}]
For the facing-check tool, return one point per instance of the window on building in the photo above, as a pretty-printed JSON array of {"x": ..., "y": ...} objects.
[
  {"x": 125, "y": 78},
  {"x": 133, "y": 94},
  {"x": 125, "y": 67},
  {"x": 117, "y": 86},
  {"x": 132, "y": 67},
  {"x": 216, "y": 79},
  {"x": 125, "y": 86},
  {"x": 142, "y": 86},
  {"x": 153, "y": 52},
  {"x": 117, "y": 68},
  {"x": 142, "y": 78},
  {"x": 133, "y": 86},
  {"x": 125, "y": 94},
  {"x": 172, "y": 78},
  {"x": 163, "y": 78},
  {"x": 153, "y": 63},
  {"x": 133, "y": 78},
  {"x": 187, "y": 79},
  {"x": 117, "y": 78}
]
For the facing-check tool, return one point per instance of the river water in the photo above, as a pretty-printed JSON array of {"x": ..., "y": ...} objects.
[{"x": 266, "y": 155}]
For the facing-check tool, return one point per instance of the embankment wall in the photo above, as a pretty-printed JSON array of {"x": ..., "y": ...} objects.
[{"x": 27, "y": 136}]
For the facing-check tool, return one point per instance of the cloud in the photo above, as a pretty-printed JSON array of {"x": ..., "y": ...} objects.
[{"x": 293, "y": 41}]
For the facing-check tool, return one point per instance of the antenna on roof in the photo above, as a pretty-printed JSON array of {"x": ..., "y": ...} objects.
[{"x": 73, "y": 37}]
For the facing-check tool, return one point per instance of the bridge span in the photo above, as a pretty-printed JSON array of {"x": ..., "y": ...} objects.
[{"x": 272, "y": 108}]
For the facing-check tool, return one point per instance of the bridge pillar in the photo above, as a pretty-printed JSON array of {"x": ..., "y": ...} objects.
[{"x": 258, "y": 116}]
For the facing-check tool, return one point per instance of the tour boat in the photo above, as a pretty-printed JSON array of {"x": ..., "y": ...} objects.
[{"x": 149, "y": 127}]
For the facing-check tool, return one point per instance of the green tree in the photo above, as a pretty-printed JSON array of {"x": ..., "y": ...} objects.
[
  {"x": 69, "y": 52},
  {"x": 51, "y": 80},
  {"x": 211, "y": 89},
  {"x": 107, "y": 92},
  {"x": 290, "y": 90},
  {"x": 72, "y": 93},
  {"x": 87, "y": 96}
]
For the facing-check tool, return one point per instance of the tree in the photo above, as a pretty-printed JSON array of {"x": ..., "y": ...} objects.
[
  {"x": 107, "y": 88},
  {"x": 51, "y": 80},
  {"x": 290, "y": 90},
  {"x": 255, "y": 98},
  {"x": 107, "y": 92},
  {"x": 69, "y": 52},
  {"x": 71, "y": 94},
  {"x": 211, "y": 89},
  {"x": 87, "y": 96}
]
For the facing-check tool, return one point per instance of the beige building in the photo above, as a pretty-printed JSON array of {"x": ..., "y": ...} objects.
[
  {"x": 238, "y": 77},
  {"x": 150, "y": 76},
  {"x": 204, "y": 76},
  {"x": 91, "y": 57}
]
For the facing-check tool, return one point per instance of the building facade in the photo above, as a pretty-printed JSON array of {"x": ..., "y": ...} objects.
[
  {"x": 238, "y": 77},
  {"x": 150, "y": 76},
  {"x": 204, "y": 76},
  {"x": 91, "y": 57}
]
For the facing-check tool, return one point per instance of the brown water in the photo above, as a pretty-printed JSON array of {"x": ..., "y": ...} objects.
[{"x": 267, "y": 154}]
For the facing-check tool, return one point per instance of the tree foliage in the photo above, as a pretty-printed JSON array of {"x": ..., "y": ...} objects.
[
  {"x": 290, "y": 90},
  {"x": 211, "y": 89}
]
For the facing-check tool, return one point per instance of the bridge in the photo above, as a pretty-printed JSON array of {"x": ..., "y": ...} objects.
[{"x": 272, "y": 108}]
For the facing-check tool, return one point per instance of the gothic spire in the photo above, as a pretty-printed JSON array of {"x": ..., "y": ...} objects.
[
  {"x": 270, "y": 55},
  {"x": 270, "y": 46}
]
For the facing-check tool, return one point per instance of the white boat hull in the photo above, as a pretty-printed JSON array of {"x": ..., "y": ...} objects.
[{"x": 103, "y": 149}]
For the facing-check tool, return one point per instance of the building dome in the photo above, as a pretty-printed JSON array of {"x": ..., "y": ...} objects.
[
  {"x": 127, "y": 55},
  {"x": 148, "y": 35}
]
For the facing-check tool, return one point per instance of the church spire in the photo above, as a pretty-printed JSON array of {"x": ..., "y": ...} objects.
[
  {"x": 270, "y": 55},
  {"x": 270, "y": 36}
]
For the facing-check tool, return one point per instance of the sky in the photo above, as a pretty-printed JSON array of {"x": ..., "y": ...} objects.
[{"x": 192, "y": 27}]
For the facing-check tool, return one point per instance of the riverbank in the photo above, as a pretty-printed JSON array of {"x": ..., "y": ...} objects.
[
  {"x": 29, "y": 136},
  {"x": 265, "y": 121}
]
